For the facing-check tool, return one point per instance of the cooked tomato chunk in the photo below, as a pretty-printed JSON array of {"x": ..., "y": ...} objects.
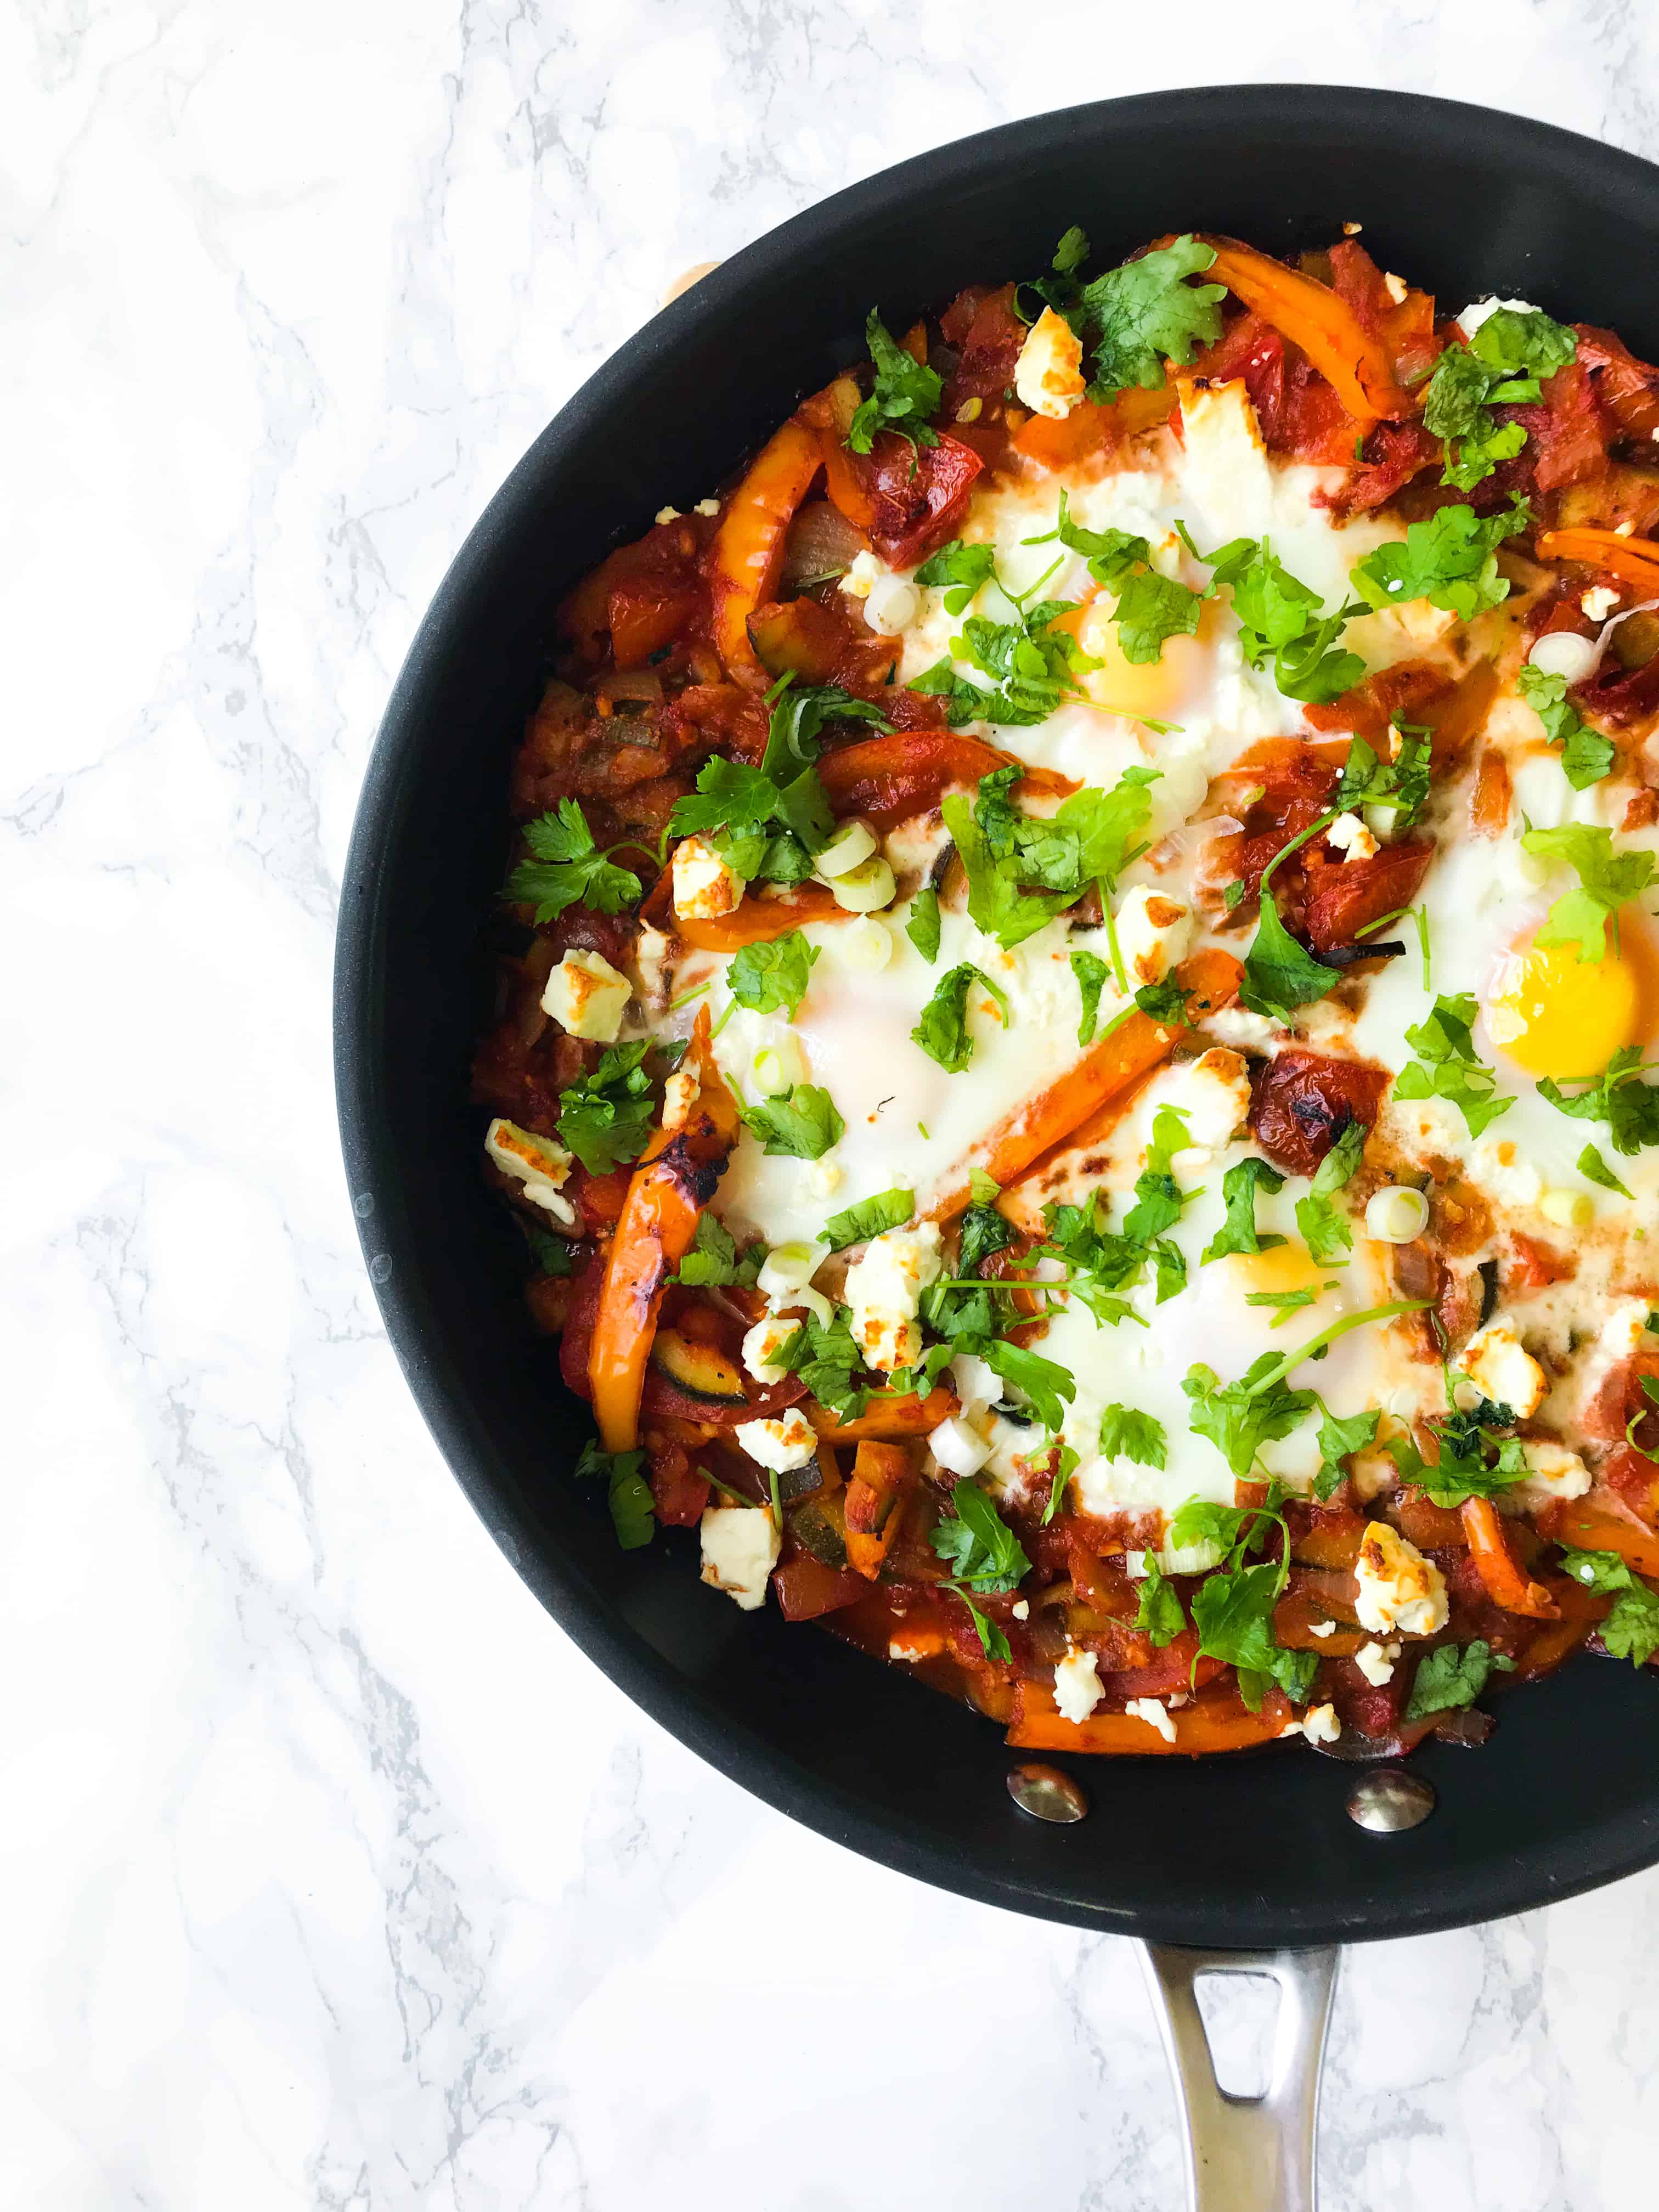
[{"x": 1302, "y": 1102}]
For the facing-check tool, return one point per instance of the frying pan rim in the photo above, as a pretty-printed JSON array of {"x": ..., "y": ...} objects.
[{"x": 736, "y": 1750}]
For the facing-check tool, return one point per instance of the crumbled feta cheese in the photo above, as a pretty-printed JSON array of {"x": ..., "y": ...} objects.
[
  {"x": 1153, "y": 934},
  {"x": 711, "y": 507},
  {"x": 651, "y": 959},
  {"x": 1501, "y": 1370},
  {"x": 1213, "y": 1092},
  {"x": 1320, "y": 1725},
  {"x": 1237, "y": 1026},
  {"x": 1321, "y": 1628},
  {"x": 780, "y": 1446},
  {"x": 538, "y": 1163},
  {"x": 705, "y": 887},
  {"x": 1048, "y": 374},
  {"x": 587, "y": 996},
  {"x": 884, "y": 1289},
  {"x": 679, "y": 1096},
  {"x": 1397, "y": 1588},
  {"x": 1154, "y": 1716},
  {"x": 739, "y": 1551},
  {"x": 1021, "y": 1608},
  {"x": 668, "y": 515},
  {"x": 762, "y": 1345},
  {"x": 1395, "y": 287},
  {"x": 957, "y": 1446},
  {"x": 1552, "y": 1471},
  {"x": 1350, "y": 835},
  {"x": 1599, "y": 602},
  {"x": 1376, "y": 1662},
  {"x": 1077, "y": 1685}
]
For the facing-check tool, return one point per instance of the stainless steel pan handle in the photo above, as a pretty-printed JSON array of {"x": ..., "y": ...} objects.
[{"x": 1246, "y": 2153}]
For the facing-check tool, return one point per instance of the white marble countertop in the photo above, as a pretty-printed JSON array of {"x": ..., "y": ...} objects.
[{"x": 335, "y": 1876}]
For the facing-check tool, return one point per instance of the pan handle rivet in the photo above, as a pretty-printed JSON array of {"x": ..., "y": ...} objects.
[
  {"x": 1389, "y": 1799},
  {"x": 1045, "y": 1793}
]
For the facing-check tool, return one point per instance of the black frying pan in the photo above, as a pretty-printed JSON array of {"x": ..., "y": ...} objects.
[{"x": 1251, "y": 1851}]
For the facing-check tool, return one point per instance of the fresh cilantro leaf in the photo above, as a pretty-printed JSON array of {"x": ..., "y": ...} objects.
[
  {"x": 1447, "y": 1068},
  {"x": 607, "y": 1117},
  {"x": 923, "y": 927},
  {"x": 1159, "y": 1614},
  {"x": 1594, "y": 1168},
  {"x": 966, "y": 569},
  {"x": 632, "y": 1514},
  {"x": 730, "y": 795},
  {"x": 1504, "y": 363},
  {"x": 992, "y": 1640},
  {"x": 1233, "y": 1613},
  {"x": 1607, "y": 881},
  {"x": 800, "y": 712},
  {"x": 1112, "y": 555},
  {"x": 1127, "y": 1434},
  {"x": 713, "y": 1263},
  {"x": 825, "y": 1357},
  {"x": 905, "y": 393},
  {"x": 1288, "y": 1302},
  {"x": 1450, "y": 559},
  {"x": 1631, "y": 1630},
  {"x": 1617, "y": 1096},
  {"x": 550, "y": 1254},
  {"x": 1108, "y": 826},
  {"x": 1046, "y": 1387},
  {"x": 1239, "y": 1418},
  {"x": 1281, "y": 617},
  {"x": 1099, "y": 1265},
  {"x": 942, "y": 1032},
  {"x": 1323, "y": 1225},
  {"x": 772, "y": 977},
  {"x": 1146, "y": 311},
  {"x": 1402, "y": 784},
  {"x": 1463, "y": 1470},
  {"x": 1238, "y": 1232},
  {"x": 1586, "y": 755},
  {"x": 1449, "y": 1678},
  {"x": 567, "y": 869},
  {"x": 1170, "y": 1262},
  {"x": 982, "y": 1232},
  {"x": 1280, "y": 975},
  {"x": 1340, "y": 1436},
  {"x": 997, "y": 900},
  {"x": 1151, "y": 608},
  {"x": 870, "y": 1216},
  {"x": 977, "y": 1544},
  {"x": 803, "y": 1126},
  {"x": 1091, "y": 972},
  {"x": 1158, "y": 1198}
]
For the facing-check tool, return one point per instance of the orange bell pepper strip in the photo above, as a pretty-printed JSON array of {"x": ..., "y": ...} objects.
[
  {"x": 1210, "y": 1725},
  {"x": 887, "y": 1420},
  {"x": 1319, "y": 320},
  {"x": 1587, "y": 1528},
  {"x": 881, "y": 1474},
  {"x": 1506, "y": 1585},
  {"x": 888, "y": 779},
  {"x": 1581, "y": 1610},
  {"x": 673, "y": 1181},
  {"x": 1212, "y": 977},
  {"x": 1634, "y": 560},
  {"x": 747, "y": 552},
  {"x": 758, "y": 921}
]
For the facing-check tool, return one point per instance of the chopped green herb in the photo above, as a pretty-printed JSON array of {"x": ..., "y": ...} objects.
[
  {"x": 870, "y": 1216},
  {"x": 607, "y": 1117},
  {"x": 1127, "y": 1434},
  {"x": 1450, "y": 559},
  {"x": 1607, "y": 881},
  {"x": 629, "y": 1494},
  {"x": 942, "y": 1032},
  {"x": 567, "y": 869},
  {"x": 1449, "y": 1678},
  {"x": 1617, "y": 1096},
  {"x": 1586, "y": 755},
  {"x": 905, "y": 393},
  {"x": 803, "y": 1126},
  {"x": 1159, "y": 1614},
  {"x": 923, "y": 927},
  {"x": 1137, "y": 317},
  {"x": 713, "y": 1263},
  {"x": 1631, "y": 1630},
  {"x": 1447, "y": 1068},
  {"x": 772, "y": 977},
  {"x": 1323, "y": 1225},
  {"x": 1238, "y": 1232},
  {"x": 1594, "y": 1168}
]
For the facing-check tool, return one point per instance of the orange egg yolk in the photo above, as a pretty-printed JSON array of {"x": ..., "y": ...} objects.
[{"x": 1556, "y": 1015}]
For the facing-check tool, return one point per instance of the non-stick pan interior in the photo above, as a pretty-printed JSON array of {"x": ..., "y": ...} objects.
[{"x": 1246, "y": 1850}]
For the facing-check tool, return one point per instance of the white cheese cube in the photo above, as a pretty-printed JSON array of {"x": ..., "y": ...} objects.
[
  {"x": 679, "y": 1096},
  {"x": 1351, "y": 837},
  {"x": 587, "y": 996},
  {"x": 1153, "y": 932},
  {"x": 1213, "y": 1092},
  {"x": 1396, "y": 1586},
  {"x": 1048, "y": 374},
  {"x": 780, "y": 1446},
  {"x": 1376, "y": 1662},
  {"x": 762, "y": 1345},
  {"x": 1495, "y": 1362},
  {"x": 739, "y": 1551},
  {"x": 540, "y": 1164},
  {"x": 884, "y": 1289},
  {"x": 1552, "y": 1471},
  {"x": 705, "y": 887},
  {"x": 1320, "y": 1724},
  {"x": 1599, "y": 602},
  {"x": 1154, "y": 1716},
  {"x": 1077, "y": 1685}
]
